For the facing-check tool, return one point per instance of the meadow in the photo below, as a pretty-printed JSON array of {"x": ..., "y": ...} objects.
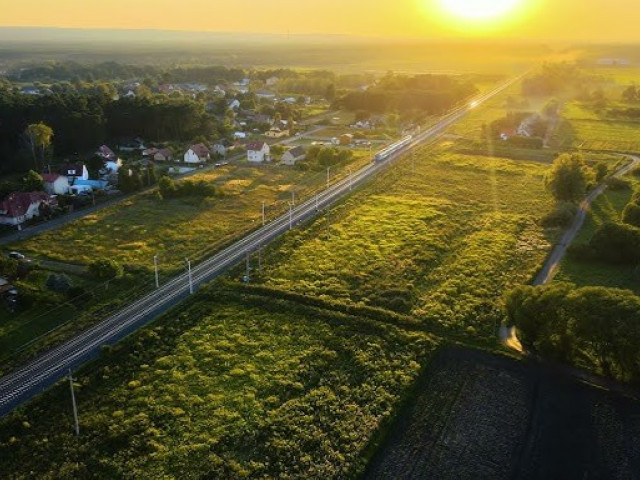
[
  {"x": 229, "y": 386},
  {"x": 439, "y": 238},
  {"x": 135, "y": 230}
]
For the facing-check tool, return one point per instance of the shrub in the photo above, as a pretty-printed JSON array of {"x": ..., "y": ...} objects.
[
  {"x": 601, "y": 171},
  {"x": 581, "y": 252},
  {"x": 561, "y": 216},
  {"x": 631, "y": 214},
  {"x": 617, "y": 184},
  {"x": 616, "y": 243},
  {"x": 106, "y": 269},
  {"x": 60, "y": 283},
  {"x": 568, "y": 178}
]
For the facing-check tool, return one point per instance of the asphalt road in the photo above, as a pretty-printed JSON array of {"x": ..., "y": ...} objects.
[{"x": 39, "y": 374}]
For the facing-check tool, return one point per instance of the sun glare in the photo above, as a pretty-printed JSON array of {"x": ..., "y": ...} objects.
[{"x": 479, "y": 10}]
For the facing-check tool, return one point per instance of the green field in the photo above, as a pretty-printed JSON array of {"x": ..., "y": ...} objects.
[
  {"x": 227, "y": 387},
  {"x": 441, "y": 244},
  {"x": 135, "y": 230}
]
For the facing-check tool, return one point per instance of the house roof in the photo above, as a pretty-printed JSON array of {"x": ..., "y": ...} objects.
[
  {"x": 255, "y": 146},
  {"x": 17, "y": 204},
  {"x": 165, "y": 152},
  {"x": 200, "y": 150},
  {"x": 296, "y": 152},
  {"x": 51, "y": 177},
  {"x": 105, "y": 152}
]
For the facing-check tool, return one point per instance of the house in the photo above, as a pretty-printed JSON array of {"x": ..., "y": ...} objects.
[
  {"x": 197, "y": 154},
  {"x": 258, "y": 152},
  {"x": 74, "y": 172},
  {"x": 81, "y": 186},
  {"x": 346, "y": 139},
  {"x": 55, "y": 184},
  {"x": 130, "y": 94},
  {"x": 276, "y": 132},
  {"x": 163, "y": 155},
  {"x": 265, "y": 94},
  {"x": 271, "y": 81},
  {"x": 106, "y": 153},
  {"x": 234, "y": 104},
  {"x": 261, "y": 118},
  {"x": 111, "y": 166},
  {"x": 30, "y": 90},
  {"x": 294, "y": 155},
  {"x": 150, "y": 152},
  {"x": 239, "y": 135},
  {"x": 19, "y": 207},
  {"x": 133, "y": 145},
  {"x": 219, "y": 149}
]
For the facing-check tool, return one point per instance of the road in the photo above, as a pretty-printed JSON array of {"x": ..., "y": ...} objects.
[
  {"x": 508, "y": 334},
  {"x": 53, "y": 365}
]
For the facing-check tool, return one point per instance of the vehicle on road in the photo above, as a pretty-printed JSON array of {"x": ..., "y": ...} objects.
[{"x": 16, "y": 255}]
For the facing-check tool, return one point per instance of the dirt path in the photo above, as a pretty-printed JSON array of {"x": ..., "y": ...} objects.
[{"x": 508, "y": 334}]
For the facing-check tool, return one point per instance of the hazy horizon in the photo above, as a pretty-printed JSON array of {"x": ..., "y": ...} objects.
[{"x": 526, "y": 20}]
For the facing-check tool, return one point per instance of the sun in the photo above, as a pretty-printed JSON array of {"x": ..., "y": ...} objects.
[{"x": 479, "y": 10}]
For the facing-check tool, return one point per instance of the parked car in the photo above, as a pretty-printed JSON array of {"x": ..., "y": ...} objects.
[{"x": 16, "y": 255}]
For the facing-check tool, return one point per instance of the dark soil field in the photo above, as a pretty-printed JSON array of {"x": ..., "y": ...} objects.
[{"x": 479, "y": 416}]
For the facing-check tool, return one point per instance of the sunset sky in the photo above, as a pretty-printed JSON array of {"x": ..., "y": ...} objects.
[{"x": 538, "y": 19}]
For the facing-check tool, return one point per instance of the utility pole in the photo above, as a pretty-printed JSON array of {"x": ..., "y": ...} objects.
[
  {"x": 328, "y": 176},
  {"x": 290, "y": 216},
  {"x": 317, "y": 202},
  {"x": 248, "y": 268},
  {"x": 293, "y": 197},
  {"x": 75, "y": 407},
  {"x": 155, "y": 268},
  {"x": 264, "y": 217},
  {"x": 350, "y": 180},
  {"x": 190, "y": 277}
]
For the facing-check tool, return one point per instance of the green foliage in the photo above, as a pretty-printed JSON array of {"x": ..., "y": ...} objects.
[
  {"x": 439, "y": 243},
  {"x": 601, "y": 170},
  {"x": 8, "y": 267},
  {"x": 32, "y": 182},
  {"x": 567, "y": 180},
  {"x": 105, "y": 269},
  {"x": 225, "y": 389},
  {"x": 187, "y": 188},
  {"x": 616, "y": 243},
  {"x": 615, "y": 183},
  {"x": 129, "y": 180},
  {"x": 59, "y": 282},
  {"x": 561, "y": 216},
  {"x": 593, "y": 325}
]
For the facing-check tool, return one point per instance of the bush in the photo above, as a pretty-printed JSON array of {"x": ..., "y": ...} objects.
[
  {"x": 616, "y": 243},
  {"x": 601, "y": 171},
  {"x": 60, "y": 283},
  {"x": 581, "y": 252},
  {"x": 568, "y": 178},
  {"x": 617, "y": 184},
  {"x": 187, "y": 188},
  {"x": 106, "y": 269},
  {"x": 561, "y": 216},
  {"x": 631, "y": 214}
]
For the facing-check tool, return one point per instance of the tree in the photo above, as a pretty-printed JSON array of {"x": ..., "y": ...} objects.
[
  {"x": 59, "y": 282},
  {"x": 38, "y": 137},
  {"x": 630, "y": 94},
  {"x": 105, "y": 269},
  {"x": 601, "y": 171},
  {"x": 32, "y": 182},
  {"x": 616, "y": 243},
  {"x": 330, "y": 93},
  {"x": 568, "y": 178},
  {"x": 631, "y": 214},
  {"x": 167, "y": 187}
]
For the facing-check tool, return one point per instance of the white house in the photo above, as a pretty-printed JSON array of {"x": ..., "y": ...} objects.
[
  {"x": 197, "y": 154},
  {"x": 294, "y": 155},
  {"x": 234, "y": 104},
  {"x": 19, "y": 207},
  {"x": 55, "y": 184},
  {"x": 74, "y": 172},
  {"x": 239, "y": 135},
  {"x": 258, "y": 152}
]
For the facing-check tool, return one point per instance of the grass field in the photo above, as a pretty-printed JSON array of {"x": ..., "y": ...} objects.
[
  {"x": 135, "y": 230},
  {"x": 224, "y": 388},
  {"x": 442, "y": 243}
]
